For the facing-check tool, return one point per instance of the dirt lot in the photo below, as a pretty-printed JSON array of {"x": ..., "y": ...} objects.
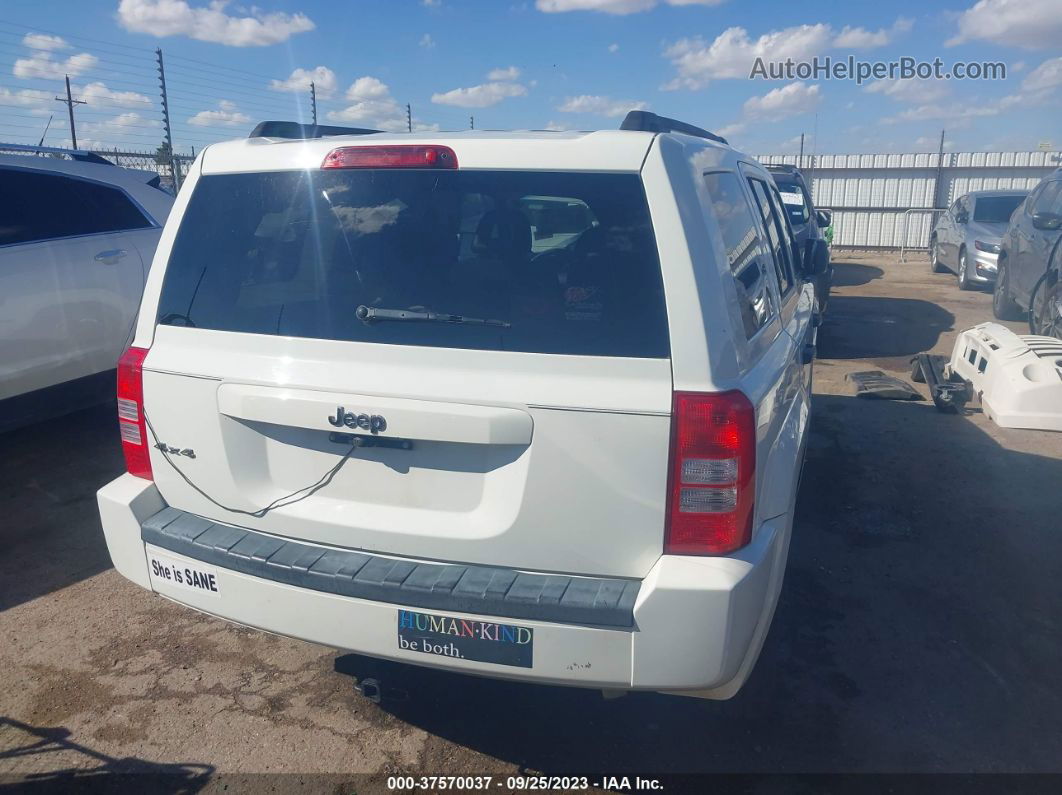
[{"x": 918, "y": 629}]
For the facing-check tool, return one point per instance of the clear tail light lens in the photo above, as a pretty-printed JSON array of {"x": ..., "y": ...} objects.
[
  {"x": 131, "y": 423},
  {"x": 712, "y": 476}
]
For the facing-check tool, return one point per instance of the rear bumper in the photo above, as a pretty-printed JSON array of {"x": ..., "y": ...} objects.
[{"x": 697, "y": 626}]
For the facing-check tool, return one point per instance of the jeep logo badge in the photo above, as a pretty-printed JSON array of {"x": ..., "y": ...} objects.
[{"x": 369, "y": 422}]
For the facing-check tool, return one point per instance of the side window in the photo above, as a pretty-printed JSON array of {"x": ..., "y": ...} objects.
[
  {"x": 781, "y": 246},
  {"x": 35, "y": 206},
  {"x": 1046, "y": 199},
  {"x": 744, "y": 249}
]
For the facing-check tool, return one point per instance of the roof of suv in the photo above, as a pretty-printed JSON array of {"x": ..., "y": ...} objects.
[{"x": 603, "y": 150}]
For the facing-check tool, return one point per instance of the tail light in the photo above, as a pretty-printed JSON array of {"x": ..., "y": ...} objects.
[
  {"x": 712, "y": 477},
  {"x": 131, "y": 423},
  {"x": 400, "y": 156}
]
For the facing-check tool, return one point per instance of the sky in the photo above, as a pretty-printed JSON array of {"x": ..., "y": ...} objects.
[{"x": 541, "y": 64}]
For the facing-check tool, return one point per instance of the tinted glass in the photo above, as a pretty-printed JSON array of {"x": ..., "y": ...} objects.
[
  {"x": 996, "y": 209},
  {"x": 36, "y": 206},
  {"x": 744, "y": 249},
  {"x": 773, "y": 223},
  {"x": 794, "y": 201},
  {"x": 295, "y": 253},
  {"x": 1045, "y": 199}
]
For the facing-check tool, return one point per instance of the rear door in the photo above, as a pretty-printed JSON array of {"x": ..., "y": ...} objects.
[
  {"x": 70, "y": 281},
  {"x": 529, "y": 430}
]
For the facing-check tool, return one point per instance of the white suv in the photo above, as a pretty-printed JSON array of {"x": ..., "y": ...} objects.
[
  {"x": 76, "y": 238},
  {"x": 363, "y": 410}
]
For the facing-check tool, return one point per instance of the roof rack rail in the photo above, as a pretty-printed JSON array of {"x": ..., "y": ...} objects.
[
  {"x": 75, "y": 154},
  {"x": 295, "y": 130},
  {"x": 644, "y": 121},
  {"x": 782, "y": 168}
]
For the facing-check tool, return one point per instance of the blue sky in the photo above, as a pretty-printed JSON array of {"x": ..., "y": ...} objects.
[{"x": 572, "y": 64}]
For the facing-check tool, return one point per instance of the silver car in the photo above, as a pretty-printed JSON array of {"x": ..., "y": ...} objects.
[{"x": 966, "y": 239}]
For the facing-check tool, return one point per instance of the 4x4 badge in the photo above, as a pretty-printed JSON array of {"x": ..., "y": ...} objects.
[{"x": 369, "y": 422}]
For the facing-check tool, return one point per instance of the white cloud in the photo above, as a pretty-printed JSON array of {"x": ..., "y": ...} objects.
[
  {"x": 731, "y": 129},
  {"x": 613, "y": 47},
  {"x": 323, "y": 79},
  {"x": 368, "y": 88},
  {"x": 41, "y": 65},
  {"x": 25, "y": 98},
  {"x": 931, "y": 144},
  {"x": 98, "y": 95},
  {"x": 426, "y": 41},
  {"x": 555, "y": 126},
  {"x": 40, "y": 41},
  {"x": 600, "y": 106},
  {"x": 481, "y": 96},
  {"x": 431, "y": 3},
  {"x": 210, "y": 23},
  {"x": 732, "y": 53},
  {"x": 862, "y": 39},
  {"x": 613, "y": 6},
  {"x": 509, "y": 74},
  {"x": 373, "y": 106},
  {"x": 117, "y": 123},
  {"x": 1045, "y": 77},
  {"x": 227, "y": 115},
  {"x": 789, "y": 100},
  {"x": 1032, "y": 24},
  {"x": 918, "y": 90}
]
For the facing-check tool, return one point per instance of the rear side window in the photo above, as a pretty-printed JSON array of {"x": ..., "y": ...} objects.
[
  {"x": 744, "y": 249},
  {"x": 1045, "y": 199},
  {"x": 996, "y": 209},
  {"x": 36, "y": 206},
  {"x": 781, "y": 247},
  {"x": 566, "y": 263},
  {"x": 794, "y": 201}
]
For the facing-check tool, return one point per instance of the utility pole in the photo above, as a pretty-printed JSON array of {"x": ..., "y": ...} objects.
[
  {"x": 69, "y": 102},
  {"x": 409, "y": 118},
  {"x": 166, "y": 121},
  {"x": 313, "y": 101},
  {"x": 940, "y": 172},
  {"x": 800, "y": 159}
]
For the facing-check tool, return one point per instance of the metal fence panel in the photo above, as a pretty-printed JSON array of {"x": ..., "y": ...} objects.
[{"x": 870, "y": 194}]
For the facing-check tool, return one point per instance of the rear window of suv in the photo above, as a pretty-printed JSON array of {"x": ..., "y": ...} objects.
[{"x": 566, "y": 262}]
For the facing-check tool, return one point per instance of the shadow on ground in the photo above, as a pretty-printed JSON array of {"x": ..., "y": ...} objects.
[
  {"x": 49, "y": 473},
  {"x": 110, "y": 774},
  {"x": 854, "y": 274},
  {"x": 886, "y": 331},
  {"x": 917, "y": 630}
]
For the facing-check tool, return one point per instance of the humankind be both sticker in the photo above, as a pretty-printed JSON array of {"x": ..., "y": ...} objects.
[
  {"x": 184, "y": 574},
  {"x": 466, "y": 638}
]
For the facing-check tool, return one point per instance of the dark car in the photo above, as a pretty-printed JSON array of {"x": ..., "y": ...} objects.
[
  {"x": 1029, "y": 258},
  {"x": 807, "y": 222}
]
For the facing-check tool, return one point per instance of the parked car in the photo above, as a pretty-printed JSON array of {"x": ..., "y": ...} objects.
[
  {"x": 76, "y": 239},
  {"x": 969, "y": 233},
  {"x": 1029, "y": 259},
  {"x": 808, "y": 223},
  {"x": 361, "y": 410}
]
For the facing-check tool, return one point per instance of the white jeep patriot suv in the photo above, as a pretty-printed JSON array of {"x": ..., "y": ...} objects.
[{"x": 527, "y": 405}]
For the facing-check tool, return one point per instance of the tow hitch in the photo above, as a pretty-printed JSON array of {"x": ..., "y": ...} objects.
[
  {"x": 950, "y": 392},
  {"x": 374, "y": 690}
]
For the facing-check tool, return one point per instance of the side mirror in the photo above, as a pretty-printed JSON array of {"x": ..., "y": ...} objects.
[
  {"x": 1048, "y": 221},
  {"x": 824, "y": 218},
  {"x": 816, "y": 258}
]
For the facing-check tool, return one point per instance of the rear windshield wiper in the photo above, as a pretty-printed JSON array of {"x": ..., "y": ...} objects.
[{"x": 371, "y": 314}]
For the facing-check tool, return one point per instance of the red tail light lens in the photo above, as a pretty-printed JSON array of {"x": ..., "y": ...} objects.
[
  {"x": 402, "y": 156},
  {"x": 131, "y": 423},
  {"x": 712, "y": 477}
]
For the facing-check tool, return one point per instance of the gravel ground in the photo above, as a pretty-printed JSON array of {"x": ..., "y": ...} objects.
[{"x": 917, "y": 631}]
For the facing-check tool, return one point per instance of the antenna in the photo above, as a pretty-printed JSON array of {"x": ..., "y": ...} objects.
[
  {"x": 46, "y": 126},
  {"x": 313, "y": 100}
]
